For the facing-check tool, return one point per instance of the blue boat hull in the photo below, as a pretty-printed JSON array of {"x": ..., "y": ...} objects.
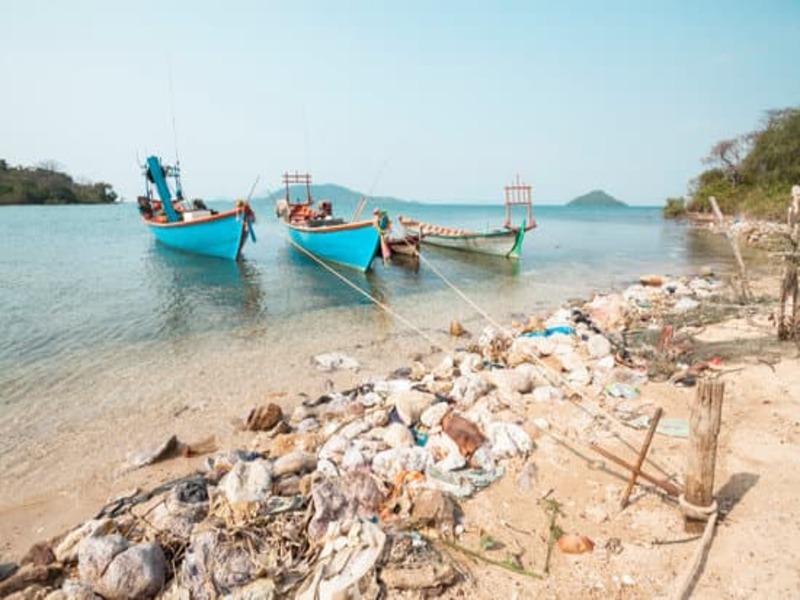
[
  {"x": 351, "y": 244},
  {"x": 222, "y": 235}
]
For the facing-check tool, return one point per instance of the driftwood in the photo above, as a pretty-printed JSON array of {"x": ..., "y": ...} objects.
[
  {"x": 746, "y": 294},
  {"x": 669, "y": 487},
  {"x": 642, "y": 454}
]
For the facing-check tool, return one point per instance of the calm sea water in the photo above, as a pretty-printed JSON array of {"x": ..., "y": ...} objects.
[{"x": 91, "y": 305}]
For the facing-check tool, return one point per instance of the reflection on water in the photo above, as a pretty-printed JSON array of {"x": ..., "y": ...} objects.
[{"x": 194, "y": 293}]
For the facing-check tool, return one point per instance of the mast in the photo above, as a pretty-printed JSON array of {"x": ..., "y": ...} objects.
[
  {"x": 157, "y": 174},
  {"x": 305, "y": 178},
  {"x": 518, "y": 194}
]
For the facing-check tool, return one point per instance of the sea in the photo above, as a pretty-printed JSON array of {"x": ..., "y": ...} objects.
[{"x": 98, "y": 320}]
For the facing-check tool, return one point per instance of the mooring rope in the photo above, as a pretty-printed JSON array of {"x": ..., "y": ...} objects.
[{"x": 378, "y": 303}]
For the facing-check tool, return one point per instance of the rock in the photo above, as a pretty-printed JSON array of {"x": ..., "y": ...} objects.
[
  {"x": 389, "y": 463},
  {"x": 432, "y": 416},
  {"x": 138, "y": 572},
  {"x": 651, "y": 280},
  {"x": 469, "y": 387},
  {"x": 507, "y": 440},
  {"x": 598, "y": 346},
  {"x": 445, "y": 452},
  {"x": 184, "y": 507},
  {"x": 456, "y": 329},
  {"x": 334, "y": 361},
  {"x": 354, "y": 429},
  {"x": 116, "y": 570},
  {"x": 410, "y": 405},
  {"x": 168, "y": 449},
  {"x": 418, "y": 371},
  {"x": 260, "y": 589},
  {"x": 435, "y": 509},
  {"x": 247, "y": 482},
  {"x": 294, "y": 463},
  {"x": 216, "y": 565},
  {"x": 72, "y": 589},
  {"x": 446, "y": 368},
  {"x": 572, "y": 543},
  {"x": 463, "y": 432},
  {"x": 607, "y": 312},
  {"x": 519, "y": 379},
  {"x": 67, "y": 550},
  {"x": 397, "y": 435},
  {"x": 547, "y": 393},
  {"x": 264, "y": 418}
]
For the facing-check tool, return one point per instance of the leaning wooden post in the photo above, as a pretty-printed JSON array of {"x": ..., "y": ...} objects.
[
  {"x": 704, "y": 421},
  {"x": 746, "y": 293}
]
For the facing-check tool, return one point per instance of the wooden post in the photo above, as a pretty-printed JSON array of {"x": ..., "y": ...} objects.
[
  {"x": 704, "y": 421},
  {"x": 642, "y": 454}
]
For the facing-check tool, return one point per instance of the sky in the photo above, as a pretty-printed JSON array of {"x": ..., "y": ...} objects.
[{"x": 430, "y": 100}]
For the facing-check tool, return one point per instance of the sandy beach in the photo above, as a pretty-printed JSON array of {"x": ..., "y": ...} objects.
[{"x": 640, "y": 551}]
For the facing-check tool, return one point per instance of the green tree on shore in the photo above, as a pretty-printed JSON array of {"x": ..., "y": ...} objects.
[
  {"x": 46, "y": 184},
  {"x": 751, "y": 173}
]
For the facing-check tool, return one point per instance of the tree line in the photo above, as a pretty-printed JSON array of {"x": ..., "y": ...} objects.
[
  {"x": 751, "y": 173},
  {"x": 46, "y": 184}
]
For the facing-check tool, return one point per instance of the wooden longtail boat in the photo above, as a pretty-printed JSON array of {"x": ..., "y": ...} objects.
[
  {"x": 316, "y": 231},
  {"x": 505, "y": 241},
  {"x": 192, "y": 227}
]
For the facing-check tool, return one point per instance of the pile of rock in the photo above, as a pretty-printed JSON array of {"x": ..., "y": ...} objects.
[{"x": 348, "y": 494}]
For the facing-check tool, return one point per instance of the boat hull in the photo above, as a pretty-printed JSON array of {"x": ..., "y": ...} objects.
[
  {"x": 222, "y": 235},
  {"x": 350, "y": 244},
  {"x": 498, "y": 242}
]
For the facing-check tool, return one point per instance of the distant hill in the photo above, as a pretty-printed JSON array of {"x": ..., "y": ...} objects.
[
  {"x": 47, "y": 185},
  {"x": 596, "y": 198},
  {"x": 345, "y": 201}
]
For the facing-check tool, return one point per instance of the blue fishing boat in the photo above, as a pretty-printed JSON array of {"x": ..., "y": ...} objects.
[
  {"x": 316, "y": 231},
  {"x": 191, "y": 226}
]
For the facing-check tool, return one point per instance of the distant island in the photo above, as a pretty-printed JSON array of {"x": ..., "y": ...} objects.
[
  {"x": 596, "y": 198},
  {"x": 46, "y": 184}
]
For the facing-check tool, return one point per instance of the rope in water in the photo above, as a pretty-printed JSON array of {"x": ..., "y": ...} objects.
[{"x": 364, "y": 293}]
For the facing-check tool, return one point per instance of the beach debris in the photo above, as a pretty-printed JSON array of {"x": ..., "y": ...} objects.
[
  {"x": 437, "y": 510},
  {"x": 169, "y": 449},
  {"x": 7, "y": 570},
  {"x": 334, "y": 361},
  {"x": 572, "y": 543},
  {"x": 347, "y": 566},
  {"x": 264, "y": 418},
  {"x": 30, "y": 576},
  {"x": 670, "y": 426},
  {"x": 414, "y": 564},
  {"x": 184, "y": 506},
  {"x": 114, "y": 568}
]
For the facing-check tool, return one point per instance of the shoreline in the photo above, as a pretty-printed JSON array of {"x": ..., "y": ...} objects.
[{"x": 32, "y": 522}]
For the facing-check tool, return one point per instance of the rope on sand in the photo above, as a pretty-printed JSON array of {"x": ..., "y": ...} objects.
[{"x": 700, "y": 513}]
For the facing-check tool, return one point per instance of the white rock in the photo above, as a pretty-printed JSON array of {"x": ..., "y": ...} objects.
[
  {"x": 410, "y": 405},
  {"x": 67, "y": 550},
  {"x": 333, "y": 361},
  {"x": 247, "y": 482},
  {"x": 354, "y": 429},
  {"x": 389, "y": 463},
  {"x": 293, "y": 463},
  {"x": 507, "y": 440},
  {"x": 397, "y": 435},
  {"x": 547, "y": 393},
  {"x": 598, "y": 346},
  {"x": 432, "y": 416},
  {"x": 469, "y": 387}
]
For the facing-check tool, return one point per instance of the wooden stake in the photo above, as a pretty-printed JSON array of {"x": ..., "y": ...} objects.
[
  {"x": 704, "y": 422},
  {"x": 642, "y": 454},
  {"x": 664, "y": 484}
]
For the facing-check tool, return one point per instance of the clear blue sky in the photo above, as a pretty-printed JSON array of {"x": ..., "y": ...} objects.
[{"x": 425, "y": 100}]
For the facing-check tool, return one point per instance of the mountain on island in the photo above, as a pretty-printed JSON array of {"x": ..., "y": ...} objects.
[{"x": 596, "y": 198}]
